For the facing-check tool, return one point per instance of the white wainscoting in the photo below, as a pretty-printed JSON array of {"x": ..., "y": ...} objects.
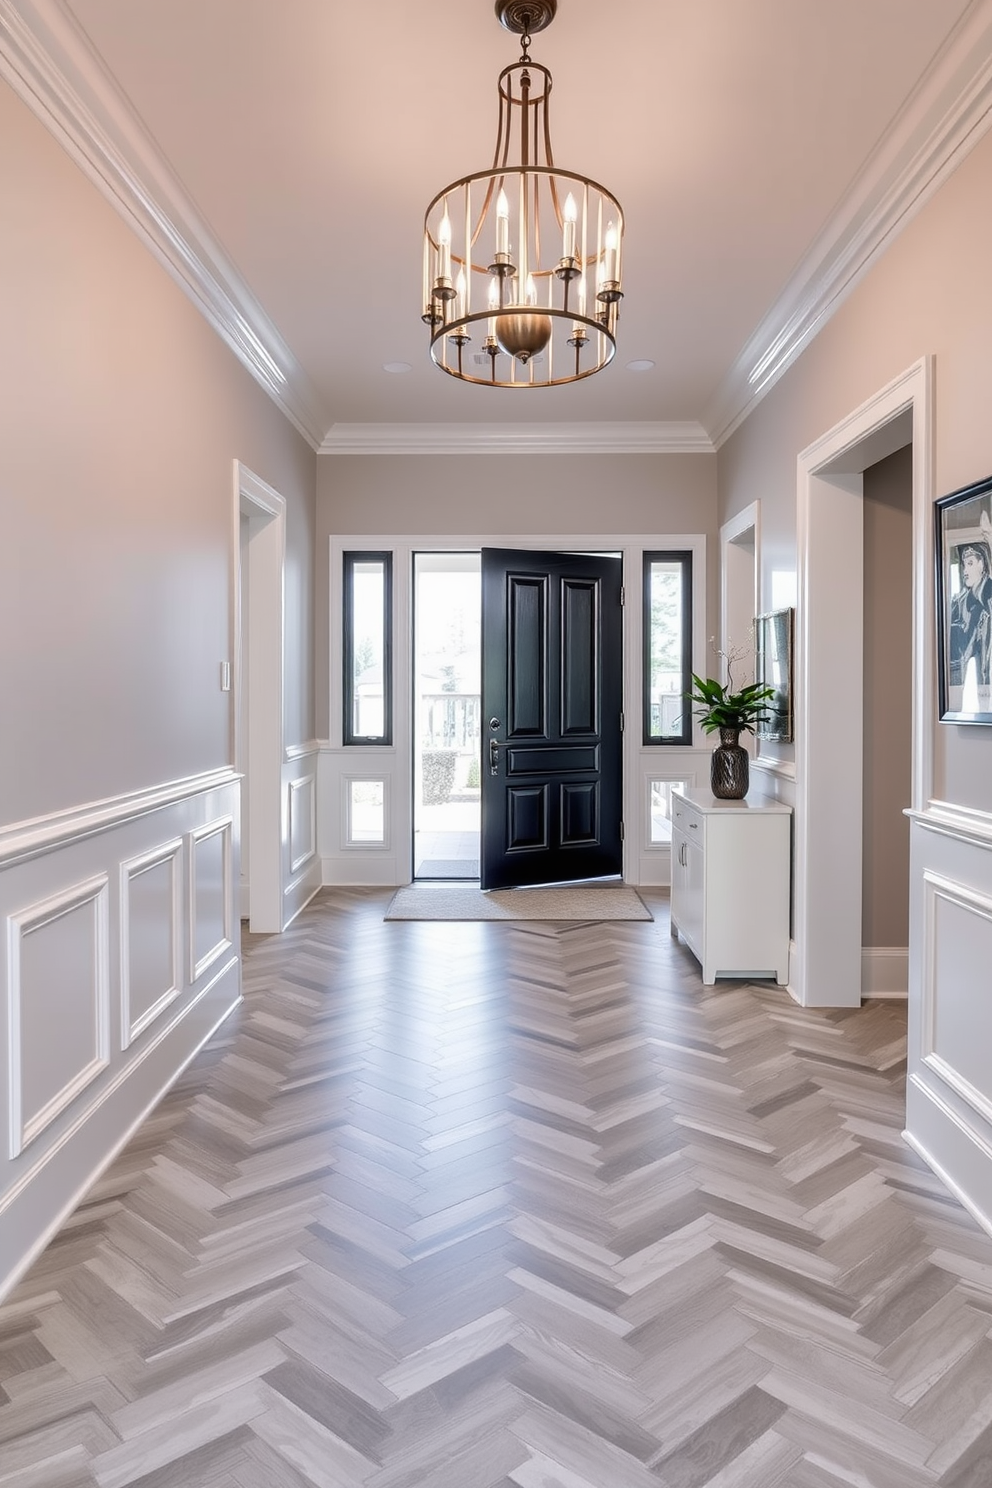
[
  {"x": 122, "y": 957},
  {"x": 649, "y": 862},
  {"x": 949, "y": 1096},
  {"x": 343, "y": 859},
  {"x": 58, "y": 978},
  {"x": 151, "y": 937},
  {"x": 301, "y": 866}
]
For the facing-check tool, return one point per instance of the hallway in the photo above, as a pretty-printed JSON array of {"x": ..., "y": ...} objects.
[{"x": 478, "y": 1205}]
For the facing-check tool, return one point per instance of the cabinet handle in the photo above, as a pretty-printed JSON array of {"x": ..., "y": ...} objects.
[{"x": 692, "y": 826}]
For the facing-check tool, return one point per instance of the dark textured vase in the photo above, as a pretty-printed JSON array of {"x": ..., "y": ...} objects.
[{"x": 729, "y": 767}]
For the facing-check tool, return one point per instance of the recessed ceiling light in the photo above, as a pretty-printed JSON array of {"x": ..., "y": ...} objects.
[
  {"x": 641, "y": 366},
  {"x": 397, "y": 367}
]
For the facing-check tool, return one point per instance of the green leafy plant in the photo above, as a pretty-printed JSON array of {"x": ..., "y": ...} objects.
[{"x": 719, "y": 708}]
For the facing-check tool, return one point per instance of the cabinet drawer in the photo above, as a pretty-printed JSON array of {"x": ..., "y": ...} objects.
[{"x": 686, "y": 818}]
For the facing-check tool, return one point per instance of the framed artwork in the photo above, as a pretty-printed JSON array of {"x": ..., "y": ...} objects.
[
  {"x": 963, "y": 552},
  {"x": 773, "y": 668}
]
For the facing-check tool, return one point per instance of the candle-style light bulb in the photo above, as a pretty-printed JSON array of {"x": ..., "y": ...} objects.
[
  {"x": 502, "y": 223},
  {"x": 610, "y": 264},
  {"x": 531, "y": 290},
  {"x": 568, "y": 230},
  {"x": 444, "y": 247}
]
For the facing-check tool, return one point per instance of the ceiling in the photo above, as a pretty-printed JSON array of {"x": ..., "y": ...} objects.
[{"x": 763, "y": 151}]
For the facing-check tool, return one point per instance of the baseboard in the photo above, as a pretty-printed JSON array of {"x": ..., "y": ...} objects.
[
  {"x": 976, "y": 1212},
  {"x": 299, "y": 893},
  {"x": 885, "y": 971},
  {"x": 362, "y": 871},
  {"x": 36, "y": 1207}
]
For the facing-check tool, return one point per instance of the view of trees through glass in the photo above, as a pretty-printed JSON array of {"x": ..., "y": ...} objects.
[{"x": 667, "y": 648}]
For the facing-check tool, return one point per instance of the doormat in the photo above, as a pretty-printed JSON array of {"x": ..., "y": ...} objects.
[{"x": 437, "y": 901}]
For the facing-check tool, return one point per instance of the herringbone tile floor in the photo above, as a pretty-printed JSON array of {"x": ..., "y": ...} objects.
[{"x": 480, "y": 1205}]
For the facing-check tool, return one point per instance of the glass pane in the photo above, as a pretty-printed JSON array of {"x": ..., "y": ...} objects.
[
  {"x": 447, "y": 665},
  {"x": 660, "y": 809},
  {"x": 366, "y": 811},
  {"x": 665, "y": 621},
  {"x": 367, "y": 682}
]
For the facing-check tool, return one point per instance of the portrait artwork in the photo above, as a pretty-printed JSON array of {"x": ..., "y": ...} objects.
[{"x": 964, "y": 604}]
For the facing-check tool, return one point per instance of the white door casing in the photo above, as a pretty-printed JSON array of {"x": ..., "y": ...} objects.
[
  {"x": 261, "y": 672},
  {"x": 826, "y": 969},
  {"x": 391, "y": 861}
]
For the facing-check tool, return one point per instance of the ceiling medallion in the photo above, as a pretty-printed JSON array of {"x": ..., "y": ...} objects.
[{"x": 523, "y": 262}]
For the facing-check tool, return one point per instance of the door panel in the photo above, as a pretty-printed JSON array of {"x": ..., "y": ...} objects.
[{"x": 551, "y": 701}]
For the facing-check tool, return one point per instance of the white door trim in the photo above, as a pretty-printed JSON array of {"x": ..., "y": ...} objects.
[
  {"x": 826, "y": 969},
  {"x": 263, "y": 749}
]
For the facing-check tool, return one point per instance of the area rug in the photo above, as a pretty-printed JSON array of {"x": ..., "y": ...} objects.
[{"x": 448, "y": 901}]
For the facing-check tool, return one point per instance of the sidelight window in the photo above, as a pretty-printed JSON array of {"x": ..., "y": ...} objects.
[
  {"x": 667, "y": 617},
  {"x": 367, "y": 627}
]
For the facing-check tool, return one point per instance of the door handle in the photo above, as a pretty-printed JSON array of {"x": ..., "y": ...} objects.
[{"x": 494, "y": 756}]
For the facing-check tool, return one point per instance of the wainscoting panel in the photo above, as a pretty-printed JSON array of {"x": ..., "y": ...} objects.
[
  {"x": 151, "y": 937},
  {"x": 354, "y": 850},
  {"x": 57, "y": 958},
  {"x": 210, "y": 895},
  {"x": 949, "y": 1100},
  {"x": 122, "y": 955},
  {"x": 647, "y": 810},
  {"x": 301, "y": 873},
  {"x": 302, "y": 822}
]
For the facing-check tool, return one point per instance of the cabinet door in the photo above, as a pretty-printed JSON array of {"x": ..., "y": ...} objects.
[
  {"x": 691, "y": 923},
  {"x": 678, "y": 878},
  {"x": 687, "y": 889}
]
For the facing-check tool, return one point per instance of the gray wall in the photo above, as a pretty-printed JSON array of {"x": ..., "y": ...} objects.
[
  {"x": 888, "y": 698},
  {"x": 497, "y": 495},
  {"x": 120, "y": 416},
  {"x": 931, "y": 293}
]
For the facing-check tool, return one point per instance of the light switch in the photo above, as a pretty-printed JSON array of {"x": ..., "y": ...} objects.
[{"x": 225, "y": 676}]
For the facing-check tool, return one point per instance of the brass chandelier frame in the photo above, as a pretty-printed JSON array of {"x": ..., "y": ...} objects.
[{"x": 550, "y": 261}]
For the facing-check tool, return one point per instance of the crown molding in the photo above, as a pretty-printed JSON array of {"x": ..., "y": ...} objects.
[
  {"x": 647, "y": 438},
  {"x": 51, "y": 66},
  {"x": 942, "y": 119}
]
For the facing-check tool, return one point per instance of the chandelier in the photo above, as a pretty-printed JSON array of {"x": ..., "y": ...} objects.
[{"x": 522, "y": 262}]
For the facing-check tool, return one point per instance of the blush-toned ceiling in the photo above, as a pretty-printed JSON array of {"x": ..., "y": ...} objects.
[{"x": 307, "y": 137}]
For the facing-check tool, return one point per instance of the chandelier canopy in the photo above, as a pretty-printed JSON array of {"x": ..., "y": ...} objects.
[{"x": 523, "y": 262}]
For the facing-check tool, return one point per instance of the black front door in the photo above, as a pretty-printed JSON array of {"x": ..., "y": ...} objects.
[{"x": 552, "y": 693}]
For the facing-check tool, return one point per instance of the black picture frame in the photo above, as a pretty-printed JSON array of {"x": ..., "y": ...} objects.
[
  {"x": 774, "y": 635},
  {"x": 963, "y": 603}
]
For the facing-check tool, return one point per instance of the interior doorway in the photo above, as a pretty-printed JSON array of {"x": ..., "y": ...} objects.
[
  {"x": 888, "y": 723},
  {"x": 447, "y": 663},
  {"x": 739, "y": 599},
  {"x": 260, "y": 558},
  {"x": 827, "y": 966}
]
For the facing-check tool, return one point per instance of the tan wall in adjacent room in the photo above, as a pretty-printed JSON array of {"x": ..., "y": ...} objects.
[{"x": 888, "y": 698}]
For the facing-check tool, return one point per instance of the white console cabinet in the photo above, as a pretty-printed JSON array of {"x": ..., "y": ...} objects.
[{"x": 731, "y": 876}]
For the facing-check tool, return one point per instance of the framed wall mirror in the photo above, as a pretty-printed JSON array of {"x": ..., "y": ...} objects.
[{"x": 773, "y": 638}]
